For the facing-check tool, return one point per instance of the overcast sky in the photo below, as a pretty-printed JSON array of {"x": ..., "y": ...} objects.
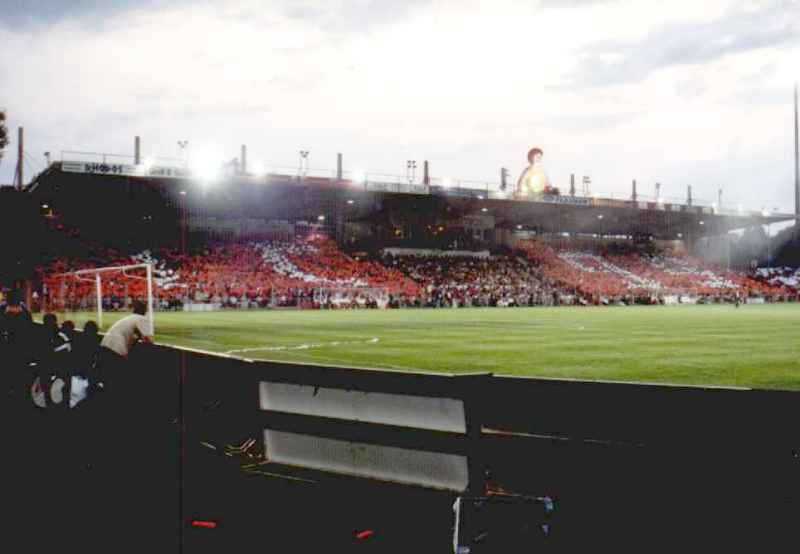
[{"x": 680, "y": 92}]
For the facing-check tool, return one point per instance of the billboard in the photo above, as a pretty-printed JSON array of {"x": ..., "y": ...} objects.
[{"x": 125, "y": 170}]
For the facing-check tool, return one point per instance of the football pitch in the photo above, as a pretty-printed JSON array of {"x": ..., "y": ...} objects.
[{"x": 752, "y": 346}]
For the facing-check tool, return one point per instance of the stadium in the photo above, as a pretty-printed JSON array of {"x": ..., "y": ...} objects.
[
  {"x": 265, "y": 251},
  {"x": 399, "y": 276},
  {"x": 416, "y": 345}
]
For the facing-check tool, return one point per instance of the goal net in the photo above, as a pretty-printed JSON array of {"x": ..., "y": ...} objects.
[
  {"x": 351, "y": 297},
  {"x": 101, "y": 294}
]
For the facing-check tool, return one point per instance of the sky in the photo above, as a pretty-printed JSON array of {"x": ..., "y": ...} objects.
[{"x": 681, "y": 93}]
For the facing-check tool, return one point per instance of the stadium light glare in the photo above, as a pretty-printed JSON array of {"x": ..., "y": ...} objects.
[
  {"x": 484, "y": 209},
  {"x": 702, "y": 223},
  {"x": 600, "y": 216},
  {"x": 45, "y": 206},
  {"x": 447, "y": 182},
  {"x": 148, "y": 163},
  {"x": 258, "y": 169},
  {"x": 659, "y": 200},
  {"x": 350, "y": 201},
  {"x": 320, "y": 218},
  {"x": 765, "y": 212},
  {"x": 205, "y": 166},
  {"x": 359, "y": 176},
  {"x": 183, "y": 193},
  {"x": 519, "y": 226},
  {"x": 680, "y": 235}
]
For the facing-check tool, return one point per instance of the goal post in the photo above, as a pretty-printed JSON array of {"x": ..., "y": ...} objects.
[
  {"x": 83, "y": 292},
  {"x": 351, "y": 297}
]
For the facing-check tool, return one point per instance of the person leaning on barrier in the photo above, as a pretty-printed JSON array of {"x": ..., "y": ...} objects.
[{"x": 120, "y": 340}]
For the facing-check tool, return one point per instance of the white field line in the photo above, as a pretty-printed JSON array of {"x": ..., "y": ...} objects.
[{"x": 306, "y": 346}]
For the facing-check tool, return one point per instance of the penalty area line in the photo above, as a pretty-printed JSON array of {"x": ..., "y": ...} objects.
[{"x": 305, "y": 346}]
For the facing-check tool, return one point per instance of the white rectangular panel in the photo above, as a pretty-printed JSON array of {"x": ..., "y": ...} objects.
[
  {"x": 385, "y": 463},
  {"x": 418, "y": 412}
]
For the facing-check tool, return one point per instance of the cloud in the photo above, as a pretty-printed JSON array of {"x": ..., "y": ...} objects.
[
  {"x": 559, "y": 4},
  {"x": 19, "y": 14},
  {"x": 586, "y": 122},
  {"x": 679, "y": 44},
  {"x": 353, "y": 15},
  {"x": 387, "y": 81}
]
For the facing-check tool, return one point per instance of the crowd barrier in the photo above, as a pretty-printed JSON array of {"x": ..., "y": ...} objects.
[
  {"x": 337, "y": 449},
  {"x": 640, "y": 453}
]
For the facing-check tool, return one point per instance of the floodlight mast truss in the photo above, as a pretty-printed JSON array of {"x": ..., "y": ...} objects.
[{"x": 96, "y": 272}]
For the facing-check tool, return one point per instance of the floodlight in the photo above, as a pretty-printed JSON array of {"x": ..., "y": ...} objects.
[
  {"x": 205, "y": 169},
  {"x": 446, "y": 182},
  {"x": 320, "y": 218},
  {"x": 258, "y": 169},
  {"x": 359, "y": 177}
]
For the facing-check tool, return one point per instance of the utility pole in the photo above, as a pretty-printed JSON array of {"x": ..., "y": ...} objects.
[
  {"x": 19, "y": 177},
  {"x": 796, "y": 168}
]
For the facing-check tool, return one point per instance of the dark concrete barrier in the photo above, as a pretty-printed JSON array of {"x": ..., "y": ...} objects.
[{"x": 628, "y": 464}]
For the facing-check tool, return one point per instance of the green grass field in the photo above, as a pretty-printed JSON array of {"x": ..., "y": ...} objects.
[{"x": 753, "y": 346}]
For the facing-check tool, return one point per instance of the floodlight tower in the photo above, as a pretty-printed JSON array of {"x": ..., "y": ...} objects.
[
  {"x": 303, "y": 163},
  {"x": 411, "y": 170},
  {"x": 586, "y": 181},
  {"x": 182, "y": 144}
]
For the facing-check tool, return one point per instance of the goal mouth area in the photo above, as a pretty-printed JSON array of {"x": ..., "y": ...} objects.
[
  {"x": 351, "y": 296},
  {"x": 97, "y": 291}
]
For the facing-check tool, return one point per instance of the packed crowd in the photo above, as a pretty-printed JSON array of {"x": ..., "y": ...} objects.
[
  {"x": 234, "y": 275},
  {"x": 447, "y": 281},
  {"x": 47, "y": 357},
  {"x": 315, "y": 273},
  {"x": 782, "y": 277},
  {"x": 638, "y": 277}
]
